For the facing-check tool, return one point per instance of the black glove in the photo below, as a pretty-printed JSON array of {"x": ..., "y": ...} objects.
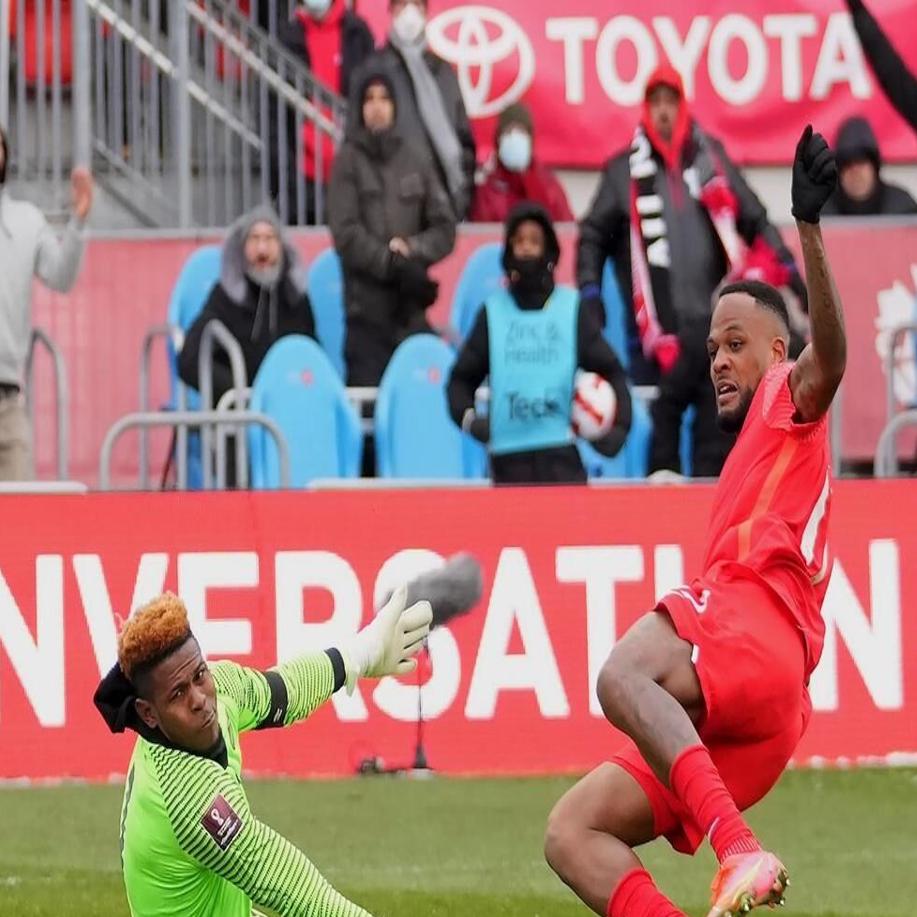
[
  {"x": 413, "y": 282},
  {"x": 814, "y": 176}
]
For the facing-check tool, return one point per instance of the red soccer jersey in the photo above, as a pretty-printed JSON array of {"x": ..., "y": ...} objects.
[{"x": 770, "y": 513}]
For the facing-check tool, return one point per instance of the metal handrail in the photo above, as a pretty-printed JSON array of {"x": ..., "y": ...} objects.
[
  {"x": 62, "y": 407},
  {"x": 179, "y": 419},
  {"x": 886, "y": 460},
  {"x": 895, "y": 334},
  {"x": 165, "y": 331},
  {"x": 215, "y": 332}
]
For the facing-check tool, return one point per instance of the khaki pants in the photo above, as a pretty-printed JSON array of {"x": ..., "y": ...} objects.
[{"x": 15, "y": 440}]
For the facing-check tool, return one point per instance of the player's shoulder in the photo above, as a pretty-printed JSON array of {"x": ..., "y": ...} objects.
[{"x": 777, "y": 407}]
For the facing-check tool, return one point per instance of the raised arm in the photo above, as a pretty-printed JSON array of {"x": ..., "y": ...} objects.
[{"x": 818, "y": 371}]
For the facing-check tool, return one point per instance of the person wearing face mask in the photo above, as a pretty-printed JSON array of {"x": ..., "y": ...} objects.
[
  {"x": 259, "y": 297},
  {"x": 431, "y": 112},
  {"x": 390, "y": 220},
  {"x": 513, "y": 174},
  {"x": 332, "y": 41},
  {"x": 29, "y": 248},
  {"x": 529, "y": 340}
]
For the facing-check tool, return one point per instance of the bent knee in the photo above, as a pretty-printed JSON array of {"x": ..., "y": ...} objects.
[
  {"x": 611, "y": 688},
  {"x": 560, "y": 837}
]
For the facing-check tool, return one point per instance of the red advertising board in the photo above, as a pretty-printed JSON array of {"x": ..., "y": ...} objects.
[
  {"x": 267, "y": 576},
  {"x": 754, "y": 72},
  {"x": 125, "y": 285}
]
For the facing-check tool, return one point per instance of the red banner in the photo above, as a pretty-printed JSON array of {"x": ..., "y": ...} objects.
[
  {"x": 100, "y": 326},
  {"x": 566, "y": 572},
  {"x": 754, "y": 72}
]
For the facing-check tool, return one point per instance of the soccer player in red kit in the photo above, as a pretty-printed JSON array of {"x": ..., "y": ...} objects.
[{"x": 711, "y": 686}]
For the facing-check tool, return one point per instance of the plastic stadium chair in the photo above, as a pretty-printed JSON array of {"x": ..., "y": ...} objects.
[
  {"x": 415, "y": 436},
  {"x": 297, "y": 386},
  {"x": 481, "y": 276},
  {"x": 325, "y": 285},
  {"x": 633, "y": 460},
  {"x": 615, "y": 324}
]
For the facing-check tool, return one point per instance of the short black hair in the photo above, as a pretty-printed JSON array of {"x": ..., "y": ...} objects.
[{"x": 765, "y": 295}]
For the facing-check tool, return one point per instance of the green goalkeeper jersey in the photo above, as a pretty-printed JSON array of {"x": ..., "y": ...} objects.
[{"x": 190, "y": 845}]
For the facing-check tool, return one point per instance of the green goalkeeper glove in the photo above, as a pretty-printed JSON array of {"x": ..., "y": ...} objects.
[{"x": 389, "y": 643}]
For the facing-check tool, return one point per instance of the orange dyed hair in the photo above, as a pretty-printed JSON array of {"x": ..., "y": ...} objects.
[{"x": 152, "y": 633}]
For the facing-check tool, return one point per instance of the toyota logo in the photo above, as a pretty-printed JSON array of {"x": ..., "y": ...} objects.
[{"x": 475, "y": 39}]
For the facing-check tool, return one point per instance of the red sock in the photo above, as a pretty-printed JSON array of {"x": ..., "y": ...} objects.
[
  {"x": 698, "y": 785},
  {"x": 636, "y": 895}
]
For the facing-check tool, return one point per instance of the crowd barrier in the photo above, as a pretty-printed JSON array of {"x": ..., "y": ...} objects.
[{"x": 566, "y": 570}]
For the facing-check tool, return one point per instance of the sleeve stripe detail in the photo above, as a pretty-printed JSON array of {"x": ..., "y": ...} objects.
[{"x": 277, "y": 711}]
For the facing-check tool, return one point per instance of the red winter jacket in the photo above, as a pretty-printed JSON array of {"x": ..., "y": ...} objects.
[{"x": 502, "y": 190}]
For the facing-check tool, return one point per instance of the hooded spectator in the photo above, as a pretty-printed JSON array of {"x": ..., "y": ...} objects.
[
  {"x": 529, "y": 340},
  {"x": 431, "y": 111},
  {"x": 860, "y": 190},
  {"x": 513, "y": 174},
  {"x": 260, "y": 297},
  {"x": 332, "y": 41},
  {"x": 391, "y": 220},
  {"x": 677, "y": 219}
]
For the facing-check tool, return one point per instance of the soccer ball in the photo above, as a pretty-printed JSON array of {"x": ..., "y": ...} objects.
[{"x": 594, "y": 406}]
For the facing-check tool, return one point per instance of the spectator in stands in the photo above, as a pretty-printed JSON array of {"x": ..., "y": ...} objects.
[
  {"x": 530, "y": 339},
  {"x": 259, "y": 298},
  {"x": 332, "y": 41},
  {"x": 860, "y": 189},
  {"x": 431, "y": 112},
  {"x": 698, "y": 224},
  {"x": 29, "y": 248},
  {"x": 513, "y": 175},
  {"x": 897, "y": 82},
  {"x": 390, "y": 220}
]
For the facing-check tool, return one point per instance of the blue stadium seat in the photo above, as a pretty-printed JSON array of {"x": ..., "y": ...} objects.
[
  {"x": 415, "y": 436},
  {"x": 297, "y": 387},
  {"x": 615, "y": 322},
  {"x": 686, "y": 442},
  {"x": 198, "y": 276},
  {"x": 325, "y": 285},
  {"x": 481, "y": 276},
  {"x": 633, "y": 460}
]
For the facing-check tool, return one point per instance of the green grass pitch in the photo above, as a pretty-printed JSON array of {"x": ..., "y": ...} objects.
[{"x": 472, "y": 848}]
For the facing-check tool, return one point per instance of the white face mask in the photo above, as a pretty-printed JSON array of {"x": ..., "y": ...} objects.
[
  {"x": 515, "y": 150},
  {"x": 317, "y": 8},
  {"x": 410, "y": 23}
]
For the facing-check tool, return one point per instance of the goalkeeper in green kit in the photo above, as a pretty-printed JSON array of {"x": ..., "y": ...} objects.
[{"x": 190, "y": 844}]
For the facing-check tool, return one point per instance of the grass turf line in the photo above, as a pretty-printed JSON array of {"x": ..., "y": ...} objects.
[{"x": 455, "y": 848}]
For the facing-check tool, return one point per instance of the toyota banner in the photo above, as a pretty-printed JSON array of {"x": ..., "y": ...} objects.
[
  {"x": 510, "y": 689},
  {"x": 755, "y": 72}
]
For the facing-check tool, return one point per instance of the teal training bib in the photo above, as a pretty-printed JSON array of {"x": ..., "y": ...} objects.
[{"x": 533, "y": 356}]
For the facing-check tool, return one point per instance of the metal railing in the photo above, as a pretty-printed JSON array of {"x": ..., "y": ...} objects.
[
  {"x": 61, "y": 396},
  {"x": 886, "y": 461},
  {"x": 895, "y": 340},
  {"x": 190, "y": 111},
  {"x": 178, "y": 419}
]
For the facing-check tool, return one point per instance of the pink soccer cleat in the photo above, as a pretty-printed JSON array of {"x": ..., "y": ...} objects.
[{"x": 746, "y": 881}]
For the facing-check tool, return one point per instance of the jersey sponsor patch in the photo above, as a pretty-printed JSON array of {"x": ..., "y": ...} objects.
[{"x": 221, "y": 822}]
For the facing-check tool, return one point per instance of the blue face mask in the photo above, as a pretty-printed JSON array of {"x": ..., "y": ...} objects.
[
  {"x": 515, "y": 150},
  {"x": 317, "y": 8}
]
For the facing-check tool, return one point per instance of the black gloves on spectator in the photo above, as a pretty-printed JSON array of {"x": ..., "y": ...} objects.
[
  {"x": 814, "y": 176},
  {"x": 413, "y": 282}
]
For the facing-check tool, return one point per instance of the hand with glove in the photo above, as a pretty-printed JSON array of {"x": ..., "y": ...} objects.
[
  {"x": 667, "y": 350},
  {"x": 814, "y": 176},
  {"x": 389, "y": 643},
  {"x": 414, "y": 283}
]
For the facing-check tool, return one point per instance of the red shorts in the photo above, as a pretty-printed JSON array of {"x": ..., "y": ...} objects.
[{"x": 750, "y": 659}]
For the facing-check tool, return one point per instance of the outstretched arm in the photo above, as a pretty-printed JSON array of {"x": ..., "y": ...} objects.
[{"x": 818, "y": 371}]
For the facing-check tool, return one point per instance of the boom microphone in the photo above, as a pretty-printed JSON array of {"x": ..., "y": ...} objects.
[{"x": 452, "y": 590}]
